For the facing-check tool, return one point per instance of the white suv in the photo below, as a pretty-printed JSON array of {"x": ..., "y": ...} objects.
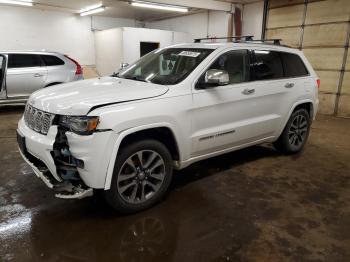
[{"x": 124, "y": 134}]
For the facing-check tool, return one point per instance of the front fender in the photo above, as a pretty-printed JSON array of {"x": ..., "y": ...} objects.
[{"x": 120, "y": 138}]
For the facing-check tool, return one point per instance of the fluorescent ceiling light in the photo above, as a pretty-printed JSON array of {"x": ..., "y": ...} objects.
[
  {"x": 91, "y": 7},
  {"x": 93, "y": 11},
  {"x": 15, "y": 2},
  {"x": 159, "y": 6}
]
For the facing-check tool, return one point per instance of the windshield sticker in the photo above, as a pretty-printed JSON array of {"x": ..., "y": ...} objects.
[{"x": 190, "y": 53}]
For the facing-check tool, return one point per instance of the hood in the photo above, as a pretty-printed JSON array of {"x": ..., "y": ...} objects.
[{"x": 78, "y": 98}]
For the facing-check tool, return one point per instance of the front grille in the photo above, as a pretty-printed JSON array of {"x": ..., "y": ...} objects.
[{"x": 38, "y": 120}]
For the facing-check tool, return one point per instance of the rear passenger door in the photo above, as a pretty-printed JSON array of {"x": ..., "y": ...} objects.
[
  {"x": 57, "y": 71},
  {"x": 278, "y": 77},
  {"x": 297, "y": 78},
  {"x": 26, "y": 73}
]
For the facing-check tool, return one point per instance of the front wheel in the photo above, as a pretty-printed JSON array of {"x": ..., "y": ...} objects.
[
  {"x": 295, "y": 134},
  {"x": 141, "y": 177}
]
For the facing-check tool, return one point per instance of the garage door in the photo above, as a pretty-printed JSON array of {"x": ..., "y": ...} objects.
[{"x": 321, "y": 29}]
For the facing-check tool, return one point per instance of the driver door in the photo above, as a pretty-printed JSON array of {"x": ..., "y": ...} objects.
[
  {"x": 230, "y": 115},
  {"x": 25, "y": 74}
]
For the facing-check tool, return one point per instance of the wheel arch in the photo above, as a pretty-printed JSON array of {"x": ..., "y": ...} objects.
[
  {"x": 308, "y": 104},
  {"x": 309, "y": 108},
  {"x": 160, "y": 132}
]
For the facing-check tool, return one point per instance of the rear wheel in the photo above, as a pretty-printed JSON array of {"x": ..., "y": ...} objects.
[
  {"x": 141, "y": 177},
  {"x": 295, "y": 134}
]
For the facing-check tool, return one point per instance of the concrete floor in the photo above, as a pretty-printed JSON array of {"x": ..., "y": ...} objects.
[{"x": 250, "y": 205}]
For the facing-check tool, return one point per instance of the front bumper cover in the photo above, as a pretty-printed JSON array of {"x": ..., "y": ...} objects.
[{"x": 75, "y": 192}]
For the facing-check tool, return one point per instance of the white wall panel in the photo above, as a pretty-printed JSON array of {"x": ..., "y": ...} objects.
[
  {"x": 133, "y": 36},
  {"x": 253, "y": 19},
  {"x": 108, "y": 50},
  {"x": 122, "y": 45},
  {"x": 218, "y": 24},
  {"x": 102, "y": 23},
  {"x": 27, "y": 28},
  {"x": 196, "y": 25}
]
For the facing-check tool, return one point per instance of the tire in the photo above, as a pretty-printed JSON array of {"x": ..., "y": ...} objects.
[
  {"x": 151, "y": 176},
  {"x": 295, "y": 134}
]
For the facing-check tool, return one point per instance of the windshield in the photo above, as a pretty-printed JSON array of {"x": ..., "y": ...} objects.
[{"x": 166, "y": 66}]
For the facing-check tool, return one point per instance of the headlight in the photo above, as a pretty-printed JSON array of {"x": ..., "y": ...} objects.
[{"x": 83, "y": 125}]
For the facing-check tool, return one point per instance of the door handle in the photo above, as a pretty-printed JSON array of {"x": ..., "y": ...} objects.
[
  {"x": 38, "y": 75},
  {"x": 248, "y": 91},
  {"x": 289, "y": 85}
]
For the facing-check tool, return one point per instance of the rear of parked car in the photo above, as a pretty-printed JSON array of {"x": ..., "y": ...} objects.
[{"x": 27, "y": 72}]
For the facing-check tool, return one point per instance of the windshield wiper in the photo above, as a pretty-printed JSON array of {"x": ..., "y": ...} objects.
[{"x": 137, "y": 78}]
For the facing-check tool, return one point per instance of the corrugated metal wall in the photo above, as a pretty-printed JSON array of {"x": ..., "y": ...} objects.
[{"x": 321, "y": 29}]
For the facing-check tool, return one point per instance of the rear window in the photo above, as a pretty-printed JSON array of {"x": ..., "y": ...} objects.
[
  {"x": 268, "y": 65},
  {"x": 23, "y": 60},
  {"x": 293, "y": 65},
  {"x": 51, "y": 60}
]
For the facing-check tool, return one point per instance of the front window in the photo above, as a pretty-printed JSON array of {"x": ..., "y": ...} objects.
[
  {"x": 166, "y": 66},
  {"x": 236, "y": 64}
]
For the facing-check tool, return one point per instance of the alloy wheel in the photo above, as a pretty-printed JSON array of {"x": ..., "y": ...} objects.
[
  {"x": 298, "y": 131},
  {"x": 141, "y": 176}
]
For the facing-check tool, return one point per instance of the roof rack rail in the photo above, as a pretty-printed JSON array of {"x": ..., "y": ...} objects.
[
  {"x": 243, "y": 38},
  {"x": 275, "y": 41},
  {"x": 246, "y": 38}
]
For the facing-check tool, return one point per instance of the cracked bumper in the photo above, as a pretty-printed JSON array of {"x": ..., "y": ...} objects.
[{"x": 94, "y": 150}]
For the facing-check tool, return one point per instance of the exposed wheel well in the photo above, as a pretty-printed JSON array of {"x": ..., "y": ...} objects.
[
  {"x": 162, "y": 134},
  {"x": 54, "y": 83},
  {"x": 309, "y": 108}
]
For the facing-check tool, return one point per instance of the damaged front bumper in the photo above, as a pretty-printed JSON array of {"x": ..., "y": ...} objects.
[
  {"x": 65, "y": 189},
  {"x": 69, "y": 192},
  {"x": 53, "y": 159}
]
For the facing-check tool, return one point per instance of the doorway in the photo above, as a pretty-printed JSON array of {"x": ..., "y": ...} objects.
[{"x": 146, "y": 47}]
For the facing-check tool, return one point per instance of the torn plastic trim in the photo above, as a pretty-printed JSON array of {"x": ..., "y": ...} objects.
[
  {"x": 66, "y": 164},
  {"x": 67, "y": 190},
  {"x": 76, "y": 191},
  {"x": 37, "y": 172},
  {"x": 81, "y": 193}
]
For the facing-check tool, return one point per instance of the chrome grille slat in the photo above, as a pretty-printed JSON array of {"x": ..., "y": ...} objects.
[{"x": 38, "y": 120}]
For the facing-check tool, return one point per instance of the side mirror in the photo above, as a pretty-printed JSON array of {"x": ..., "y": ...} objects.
[
  {"x": 215, "y": 77},
  {"x": 123, "y": 65}
]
